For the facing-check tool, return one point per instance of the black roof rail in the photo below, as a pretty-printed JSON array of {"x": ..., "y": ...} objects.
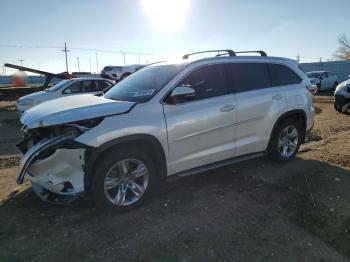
[
  {"x": 226, "y": 51},
  {"x": 262, "y": 53}
]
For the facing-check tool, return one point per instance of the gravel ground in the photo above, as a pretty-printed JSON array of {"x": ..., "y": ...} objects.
[{"x": 252, "y": 211}]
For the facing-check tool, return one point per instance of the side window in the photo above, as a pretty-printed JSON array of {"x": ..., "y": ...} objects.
[
  {"x": 208, "y": 81},
  {"x": 87, "y": 86},
  {"x": 72, "y": 89},
  {"x": 103, "y": 85},
  {"x": 283, "y": 75},
  {"x": 250, "y": 76}
]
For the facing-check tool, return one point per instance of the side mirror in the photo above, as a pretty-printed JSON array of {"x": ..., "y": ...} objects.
[
  {"x": 67, "y": 91},
  {"x": 181, "y": 94}
]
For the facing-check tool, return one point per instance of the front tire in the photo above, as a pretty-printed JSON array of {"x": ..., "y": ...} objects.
[
  {"x": 123, "y": 179},
  {"x": 286, "y": 140}
]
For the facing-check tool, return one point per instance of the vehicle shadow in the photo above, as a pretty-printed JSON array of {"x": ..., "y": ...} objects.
[{"x": 220, "y": 205}]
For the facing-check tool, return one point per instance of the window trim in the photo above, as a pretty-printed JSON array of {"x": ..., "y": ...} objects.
[{"x": 228, "y": 80}]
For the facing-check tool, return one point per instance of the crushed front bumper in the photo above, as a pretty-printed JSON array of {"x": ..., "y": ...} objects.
[{"x": 59, "y": 171}]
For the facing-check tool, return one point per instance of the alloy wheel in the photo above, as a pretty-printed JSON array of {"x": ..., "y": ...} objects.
[
  {"x": 288, "y": 141},
  {"x": 126, "y": 182}
]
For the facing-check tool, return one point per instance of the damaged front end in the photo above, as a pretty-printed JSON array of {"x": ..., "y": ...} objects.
[{"x": 53, "y": 161}]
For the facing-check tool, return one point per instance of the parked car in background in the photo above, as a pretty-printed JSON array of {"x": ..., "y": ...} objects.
[
  {"x": 75, "y": 86},
  {"x": 166, "y": 119},
  {"x": 342, "y": 97},
  {"x": 323, "y": 80},
  {"x": 118, "y": 73}
]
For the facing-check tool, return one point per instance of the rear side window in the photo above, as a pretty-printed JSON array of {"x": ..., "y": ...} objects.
[
  {"x": 208, "y": 81},
  {"x": 283, "y": 75},
  {"x": 250, "y": 76},
  {"x": 86, "y": 86}
]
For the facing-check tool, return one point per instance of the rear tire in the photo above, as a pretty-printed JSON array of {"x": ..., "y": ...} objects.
[
  {"x": 285, "y": 141},
  {"x": 117, "y": 184}
]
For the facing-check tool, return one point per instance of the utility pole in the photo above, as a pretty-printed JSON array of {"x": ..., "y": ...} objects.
[
  {"x": 121, "y": 51},
  {"x": 78, "y": 65},
  {"x": 21, "y": 60},
  {"x": 298, "y": 58},
  {"x": 139, "y": 57},
  {"x": 90, "y": 64},
  {"x": 65, "y": 52},
  {"x": 96, "y": 63}
]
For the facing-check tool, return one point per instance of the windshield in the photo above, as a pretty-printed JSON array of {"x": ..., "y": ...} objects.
[
  {"x": 313, "y": 74},
  {"x": 144, "y": 84},
  {"x": 58, "y": 85}
]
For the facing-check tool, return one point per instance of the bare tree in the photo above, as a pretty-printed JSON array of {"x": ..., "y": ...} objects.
[{"x": 343, "y": 52}]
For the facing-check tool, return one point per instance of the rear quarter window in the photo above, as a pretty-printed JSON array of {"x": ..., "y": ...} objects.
[
  {"x": 250, "y": 76},
  {"x": 282, "y": 75}
]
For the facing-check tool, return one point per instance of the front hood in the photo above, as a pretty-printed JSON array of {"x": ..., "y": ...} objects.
[
  {"x": 71, "y": 109},
  {"x": 37, "y": 96}
]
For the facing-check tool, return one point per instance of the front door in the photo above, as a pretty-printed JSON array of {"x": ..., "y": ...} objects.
[{"x": 202, "y": 131}]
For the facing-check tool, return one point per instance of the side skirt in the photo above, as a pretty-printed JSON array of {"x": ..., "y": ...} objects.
[{"x": 223, "y": 163}]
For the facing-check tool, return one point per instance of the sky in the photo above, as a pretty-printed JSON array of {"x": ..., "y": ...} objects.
[{"x": 152, "y": 30}]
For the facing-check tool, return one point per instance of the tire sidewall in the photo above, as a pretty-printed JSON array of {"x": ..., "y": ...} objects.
[{"x": 112, "y": 157}]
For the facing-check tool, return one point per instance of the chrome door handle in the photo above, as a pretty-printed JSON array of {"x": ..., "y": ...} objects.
[
  {"x": 227, "y": 108},
  {"x": 277, "y": 97}
]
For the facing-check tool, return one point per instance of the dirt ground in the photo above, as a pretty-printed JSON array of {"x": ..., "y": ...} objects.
[{"x": 252, "y": 211}]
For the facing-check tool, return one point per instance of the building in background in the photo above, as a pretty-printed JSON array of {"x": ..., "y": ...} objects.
[{"x": 340, "y": 68}]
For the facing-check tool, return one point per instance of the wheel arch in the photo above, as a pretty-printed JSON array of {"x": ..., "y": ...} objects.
[
  {"x": 148, "y": 142},
  {"x": 297, "y": 114}
]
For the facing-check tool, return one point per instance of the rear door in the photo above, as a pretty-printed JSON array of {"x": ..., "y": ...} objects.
[
  {"x": 326, "y": 81},
  {"x": 202, "y": 131},
  {"x": 257, "y": 105}
]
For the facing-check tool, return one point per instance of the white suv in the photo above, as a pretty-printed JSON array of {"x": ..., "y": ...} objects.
[
  {"x": 323, "y": 80},
  {"x": 166, "y": 119},
  {"x": 118, "y": 73}
]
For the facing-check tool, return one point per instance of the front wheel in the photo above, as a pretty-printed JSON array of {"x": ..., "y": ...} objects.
[
  {"x": 123, "y": 179},
  {"x": 286, "y": 140}
]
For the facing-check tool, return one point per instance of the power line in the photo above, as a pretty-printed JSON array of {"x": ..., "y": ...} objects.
[{"x": 76, "y": 48}]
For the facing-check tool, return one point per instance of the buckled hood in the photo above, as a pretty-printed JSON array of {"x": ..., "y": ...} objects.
[{"x": 71, "y": 109}]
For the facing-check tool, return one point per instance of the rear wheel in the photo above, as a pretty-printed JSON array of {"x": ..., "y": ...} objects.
[
  {"x": 123, "y": 179},
  {"x": 286, "y": 140}
]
